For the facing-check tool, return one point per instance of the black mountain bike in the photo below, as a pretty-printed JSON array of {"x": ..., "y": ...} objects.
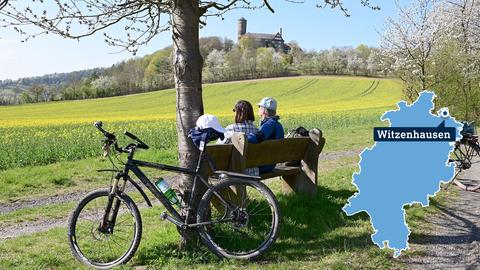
[
  {"x": 467, "y": 148},
  {"x": 463, "y": 155},
  {"x": 238, "y": 217}
]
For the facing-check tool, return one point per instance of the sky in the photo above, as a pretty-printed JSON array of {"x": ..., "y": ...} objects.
[{"x": 311, "y": 27}]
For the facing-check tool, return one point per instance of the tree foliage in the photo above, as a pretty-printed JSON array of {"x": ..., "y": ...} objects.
[
  {"x": 219, "y": 66},
  {"x": 435, "y": 44}
]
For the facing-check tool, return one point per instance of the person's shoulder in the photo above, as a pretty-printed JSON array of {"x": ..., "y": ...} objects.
[
  {"x": 230, "y": 127},
  {"x": 277, "y": 119},
  {"x": 251, "y": 127}
]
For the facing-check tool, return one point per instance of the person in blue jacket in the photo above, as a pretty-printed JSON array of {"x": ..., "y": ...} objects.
[{"x": 270, "y": 127}]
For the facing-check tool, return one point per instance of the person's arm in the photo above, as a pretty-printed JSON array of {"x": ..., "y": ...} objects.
[
  {"x": 265, "y": 132},
  {"x": 227, "y": 135}
]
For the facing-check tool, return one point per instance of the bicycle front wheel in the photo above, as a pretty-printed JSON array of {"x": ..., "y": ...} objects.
[
  {"x": 241, "y": 218},
  {"x": 105, "y": 242}
]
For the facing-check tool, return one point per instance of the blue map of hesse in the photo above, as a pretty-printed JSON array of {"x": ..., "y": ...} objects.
[{"x": 393, "y": 174}]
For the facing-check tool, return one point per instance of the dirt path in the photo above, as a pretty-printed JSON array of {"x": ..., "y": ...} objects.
[{"x": 454, "y": 240}]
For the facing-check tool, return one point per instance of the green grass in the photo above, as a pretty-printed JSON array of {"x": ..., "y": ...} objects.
[
  {"x": 62, "y": 210},
  {"x": 315, "y": 234},
  {"x": 49, "y": 212},
  {"x": 68, "y": 176}
]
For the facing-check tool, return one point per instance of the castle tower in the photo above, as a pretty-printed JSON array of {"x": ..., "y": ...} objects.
[{"x": 242, "y": 28}]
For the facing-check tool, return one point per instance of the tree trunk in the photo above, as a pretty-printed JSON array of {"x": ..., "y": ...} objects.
[{"x": 187, "y": 63}]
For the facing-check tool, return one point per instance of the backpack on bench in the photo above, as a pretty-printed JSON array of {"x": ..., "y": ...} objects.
[{"x": 296, "y": 133}]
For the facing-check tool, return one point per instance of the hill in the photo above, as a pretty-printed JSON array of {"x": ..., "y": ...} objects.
[
  {"x": 311, "y": 94},
  {"x": 223, "y": 61}
]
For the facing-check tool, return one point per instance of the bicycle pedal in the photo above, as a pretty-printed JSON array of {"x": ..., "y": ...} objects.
[{"x": 163, "y": 216}]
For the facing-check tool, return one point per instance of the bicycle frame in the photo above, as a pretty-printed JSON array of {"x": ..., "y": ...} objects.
[{"x": 134, "y": 165}]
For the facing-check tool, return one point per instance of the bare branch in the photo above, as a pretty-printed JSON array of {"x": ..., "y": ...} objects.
[
  {"x": 140, "y": 19},
  {"x": 217, "y": 6},
  {"x": 78, "y": 19},
  {"x": 3, "y": 3},
  {"x": 339, "y": 4}
]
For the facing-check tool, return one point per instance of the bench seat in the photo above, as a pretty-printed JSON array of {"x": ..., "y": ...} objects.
[{"x": 280, "y": 171}]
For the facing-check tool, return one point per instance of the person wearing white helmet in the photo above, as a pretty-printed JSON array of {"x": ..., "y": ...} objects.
[{"x": 270, "y": 127}]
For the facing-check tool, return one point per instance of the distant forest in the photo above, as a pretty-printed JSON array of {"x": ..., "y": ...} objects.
[{"x": 223, "y": 61}]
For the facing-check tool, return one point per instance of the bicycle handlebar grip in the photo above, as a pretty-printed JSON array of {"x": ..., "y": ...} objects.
[
  {"x": 130, "y": 135},
  {"x": 98, "y": 125},
  {"x": 141, "y": 144}
]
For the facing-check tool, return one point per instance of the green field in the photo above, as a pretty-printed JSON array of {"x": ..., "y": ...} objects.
[
  {"x": 52, "y": 148},
  {"x": 41, "y": 134},
  {"x": 295, "y": 96}
]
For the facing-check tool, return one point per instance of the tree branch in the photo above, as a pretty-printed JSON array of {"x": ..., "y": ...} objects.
[{"x": 3, "y": 3}]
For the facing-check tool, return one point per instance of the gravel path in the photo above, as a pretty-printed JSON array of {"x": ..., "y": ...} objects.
[
  {"x": 55, "y": 199},
  {"x": 20, "y": 229},
  {"x": 454, "y": 240}
]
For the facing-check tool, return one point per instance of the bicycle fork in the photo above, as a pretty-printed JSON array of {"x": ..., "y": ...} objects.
[{"x": 111, "y": 211}]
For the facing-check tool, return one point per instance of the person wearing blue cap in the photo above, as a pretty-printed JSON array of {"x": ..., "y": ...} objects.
[{"x": 270, "y": 127}]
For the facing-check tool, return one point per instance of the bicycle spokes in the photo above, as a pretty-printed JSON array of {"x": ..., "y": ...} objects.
[
  {"x": 246, "y": 224},
  {"x": 104, "y": 241}
]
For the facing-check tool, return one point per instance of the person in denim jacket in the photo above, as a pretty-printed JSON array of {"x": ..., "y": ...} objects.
[{"x": 270, "y": 127}]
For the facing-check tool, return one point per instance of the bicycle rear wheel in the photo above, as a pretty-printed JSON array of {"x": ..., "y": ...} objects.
[
  {"x": 244, "y": 227},
  {"x": 104, "y": 244}
]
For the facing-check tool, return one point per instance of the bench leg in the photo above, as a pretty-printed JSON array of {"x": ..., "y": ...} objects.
[{"x": 299, "y": 183}]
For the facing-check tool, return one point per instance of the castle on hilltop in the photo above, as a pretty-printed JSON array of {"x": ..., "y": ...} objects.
[{"x": 264, "y": 40}]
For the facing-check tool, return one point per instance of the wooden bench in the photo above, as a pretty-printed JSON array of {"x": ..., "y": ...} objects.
[{"x": 240, "y": 154}]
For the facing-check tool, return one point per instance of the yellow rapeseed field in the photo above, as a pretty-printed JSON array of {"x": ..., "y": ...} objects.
[{"x": 36, "y": 134}]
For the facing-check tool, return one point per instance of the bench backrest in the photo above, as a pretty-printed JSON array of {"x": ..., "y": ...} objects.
[
  {"x": 241, "y": 154},
  {"x": 276, "y": 151}
]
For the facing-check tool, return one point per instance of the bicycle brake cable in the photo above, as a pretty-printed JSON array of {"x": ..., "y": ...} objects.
[
  {"x": 113, "y": 163},
  {"x": 118, "y": 159}
]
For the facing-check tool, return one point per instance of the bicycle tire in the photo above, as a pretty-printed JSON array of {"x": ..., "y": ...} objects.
[
  {"x": 87, "y": 245},
  {"x": 476, "y": 148},
  {"x": 258, "y": 194}
]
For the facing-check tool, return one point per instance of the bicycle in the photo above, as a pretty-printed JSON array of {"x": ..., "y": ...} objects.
[
  {"x": 467, "y": 148},
  {"x": 238, "y": 217},
  {"x": 464, "y": 152}
]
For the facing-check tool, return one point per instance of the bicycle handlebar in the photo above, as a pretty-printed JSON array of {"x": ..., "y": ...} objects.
[
  {"x": 133, "y": 137},
  {"x": 107, "y": 134},
  {"x": 112, "y": 139}
]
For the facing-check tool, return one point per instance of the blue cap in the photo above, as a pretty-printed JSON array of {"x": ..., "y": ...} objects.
[{"x": 268, "y": 103}]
